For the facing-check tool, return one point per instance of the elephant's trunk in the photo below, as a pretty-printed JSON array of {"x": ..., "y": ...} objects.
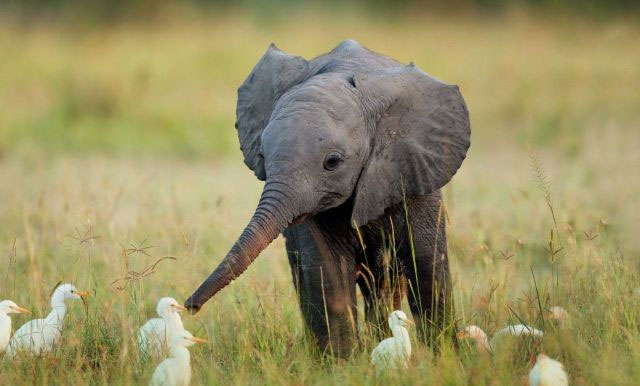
[{"x": 273, "y": 214}]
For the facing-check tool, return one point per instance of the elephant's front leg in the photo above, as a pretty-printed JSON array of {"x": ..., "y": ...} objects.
[
  {"x": 426, "y": 267},
  {"x": 325, "y": 279}
]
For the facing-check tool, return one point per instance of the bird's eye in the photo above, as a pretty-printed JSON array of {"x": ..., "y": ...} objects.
[{"x": 332, "y": 161}]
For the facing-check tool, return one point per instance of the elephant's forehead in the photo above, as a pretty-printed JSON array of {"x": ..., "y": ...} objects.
[
  {"x": 309, "y": 138},
  {"x": 314, "y": 126},
  {"x": 319, "y": 98},
  {"x": 300, "y": 131}
]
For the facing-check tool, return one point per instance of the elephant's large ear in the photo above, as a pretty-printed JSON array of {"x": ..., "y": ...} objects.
[
  {"x": 275, "y": 73},
  {"x": 421, "y": 134}
]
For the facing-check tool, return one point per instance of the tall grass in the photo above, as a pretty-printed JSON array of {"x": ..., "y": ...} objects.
[
  {"x": 184, "y": 210},
  {"x": 118, "y": 150}
]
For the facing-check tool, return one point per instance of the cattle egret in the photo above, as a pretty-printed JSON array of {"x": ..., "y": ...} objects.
[
  {"x": 155, "y": 336},
  {"x": 41, "y": 335},
  {"x": 548, "y": 372},
  {"x": 7, "y": 307},
  {"x": 176, "y": 370},
  {"x": 517, "y": 330},
  {"x": 476, "y": 333},
  {"x": 560, "y": 315},
  {"x": 394, "y": 353}
]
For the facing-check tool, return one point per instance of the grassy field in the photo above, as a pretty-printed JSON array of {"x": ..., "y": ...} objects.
[{"x": 117, "y": 149}]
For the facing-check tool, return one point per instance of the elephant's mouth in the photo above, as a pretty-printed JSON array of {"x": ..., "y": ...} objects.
[{"x": 300, "y": 219}]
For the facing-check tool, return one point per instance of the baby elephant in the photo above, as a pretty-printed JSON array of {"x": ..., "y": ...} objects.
[{"x": 353, "y": 147}]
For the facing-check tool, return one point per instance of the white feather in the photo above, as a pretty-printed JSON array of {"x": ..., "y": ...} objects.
[
  {"x": 393, "y": 353},
  {"x": 517, "y": 330},
  {"x": 155, "y": 336},
  {"x": 548, "y": 372},
  {"x": 477, "y": 334},
  {"x": 176, "y": 370},
  {"x": 41, "y": 335},
  {"x": 7, "y": 307},
  {"x": 560, "y": 315}
]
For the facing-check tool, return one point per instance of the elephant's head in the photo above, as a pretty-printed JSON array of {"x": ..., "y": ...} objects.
[{"x": 348, "y": 125}]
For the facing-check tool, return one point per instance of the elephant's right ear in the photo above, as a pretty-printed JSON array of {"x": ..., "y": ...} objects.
[{"x": 275, "y": 73}]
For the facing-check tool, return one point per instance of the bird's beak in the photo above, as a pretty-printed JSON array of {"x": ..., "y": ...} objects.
[
  {"x": 460, "y": 334},
  {"x": 21, "y": 310},
  {"x": 198, "y": 340},
  {"x": 179, "y": 307},
  {"x": 82, "y": 294},
  {"x": 409, "y": 322}
]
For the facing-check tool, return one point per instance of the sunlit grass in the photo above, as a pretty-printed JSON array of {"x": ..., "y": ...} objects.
[
  {"x": 87, "y": 220},
  {"x": 121, "y": 138}
]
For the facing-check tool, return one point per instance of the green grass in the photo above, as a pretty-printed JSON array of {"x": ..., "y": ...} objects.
[{"x": 123, "y": 137}]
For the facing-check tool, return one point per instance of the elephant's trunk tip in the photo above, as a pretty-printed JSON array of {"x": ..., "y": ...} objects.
[
  {"x": 192, "y": 307},
  {"x": 270, "y": 218}
]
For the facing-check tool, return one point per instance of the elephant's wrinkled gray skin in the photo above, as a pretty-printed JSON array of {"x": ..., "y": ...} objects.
[{"x": 353, "y": 148}]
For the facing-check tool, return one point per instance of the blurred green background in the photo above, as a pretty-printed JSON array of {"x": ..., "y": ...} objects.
[
  {"x": 144, "y": 77},
  {"x": 157, "y": 80}
]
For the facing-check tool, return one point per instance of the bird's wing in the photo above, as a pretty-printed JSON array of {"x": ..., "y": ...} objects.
[
  {"x": 51, "y": 334},
  {"x": 28, "y": 331},
  {"x": 159, "y": 375},
  {"x": 155, "y": 327},
  {"x": 523, "y": 330},
  {"x": 380, "y": 355},
  {"x": 551, "y": 372},
  {"x": 537, "y": 333},
  {"x": 389, "y": 354},
  {"x": 30, "y": 327},
  {"x": 28, "y": 337},
  {"x": 517, "y": 330},
  {"x": 152, "y": 336},
  {"x": 163, "y": 376}
]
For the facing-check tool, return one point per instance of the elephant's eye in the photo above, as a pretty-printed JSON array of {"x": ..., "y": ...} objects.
[{"x": 332, "y": 161}]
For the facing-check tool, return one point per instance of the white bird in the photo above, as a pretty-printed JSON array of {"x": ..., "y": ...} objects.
[
  {"x": 41, "y": 335},
  {"x": 517, "y": 330},
  {"x": 155, "y": 336},
  {"x": 7, "y": 307},
  {"x": 176, "y": 370},
  {"x": 477, "y": 334},
  {"x": 394, "y": 353},
  {"x": 548, "y": 372},
  {"x": 560, "y": 315}
]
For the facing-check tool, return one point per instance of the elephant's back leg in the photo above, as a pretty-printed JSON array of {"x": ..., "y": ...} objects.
[{"x": 324, "y": 277}]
